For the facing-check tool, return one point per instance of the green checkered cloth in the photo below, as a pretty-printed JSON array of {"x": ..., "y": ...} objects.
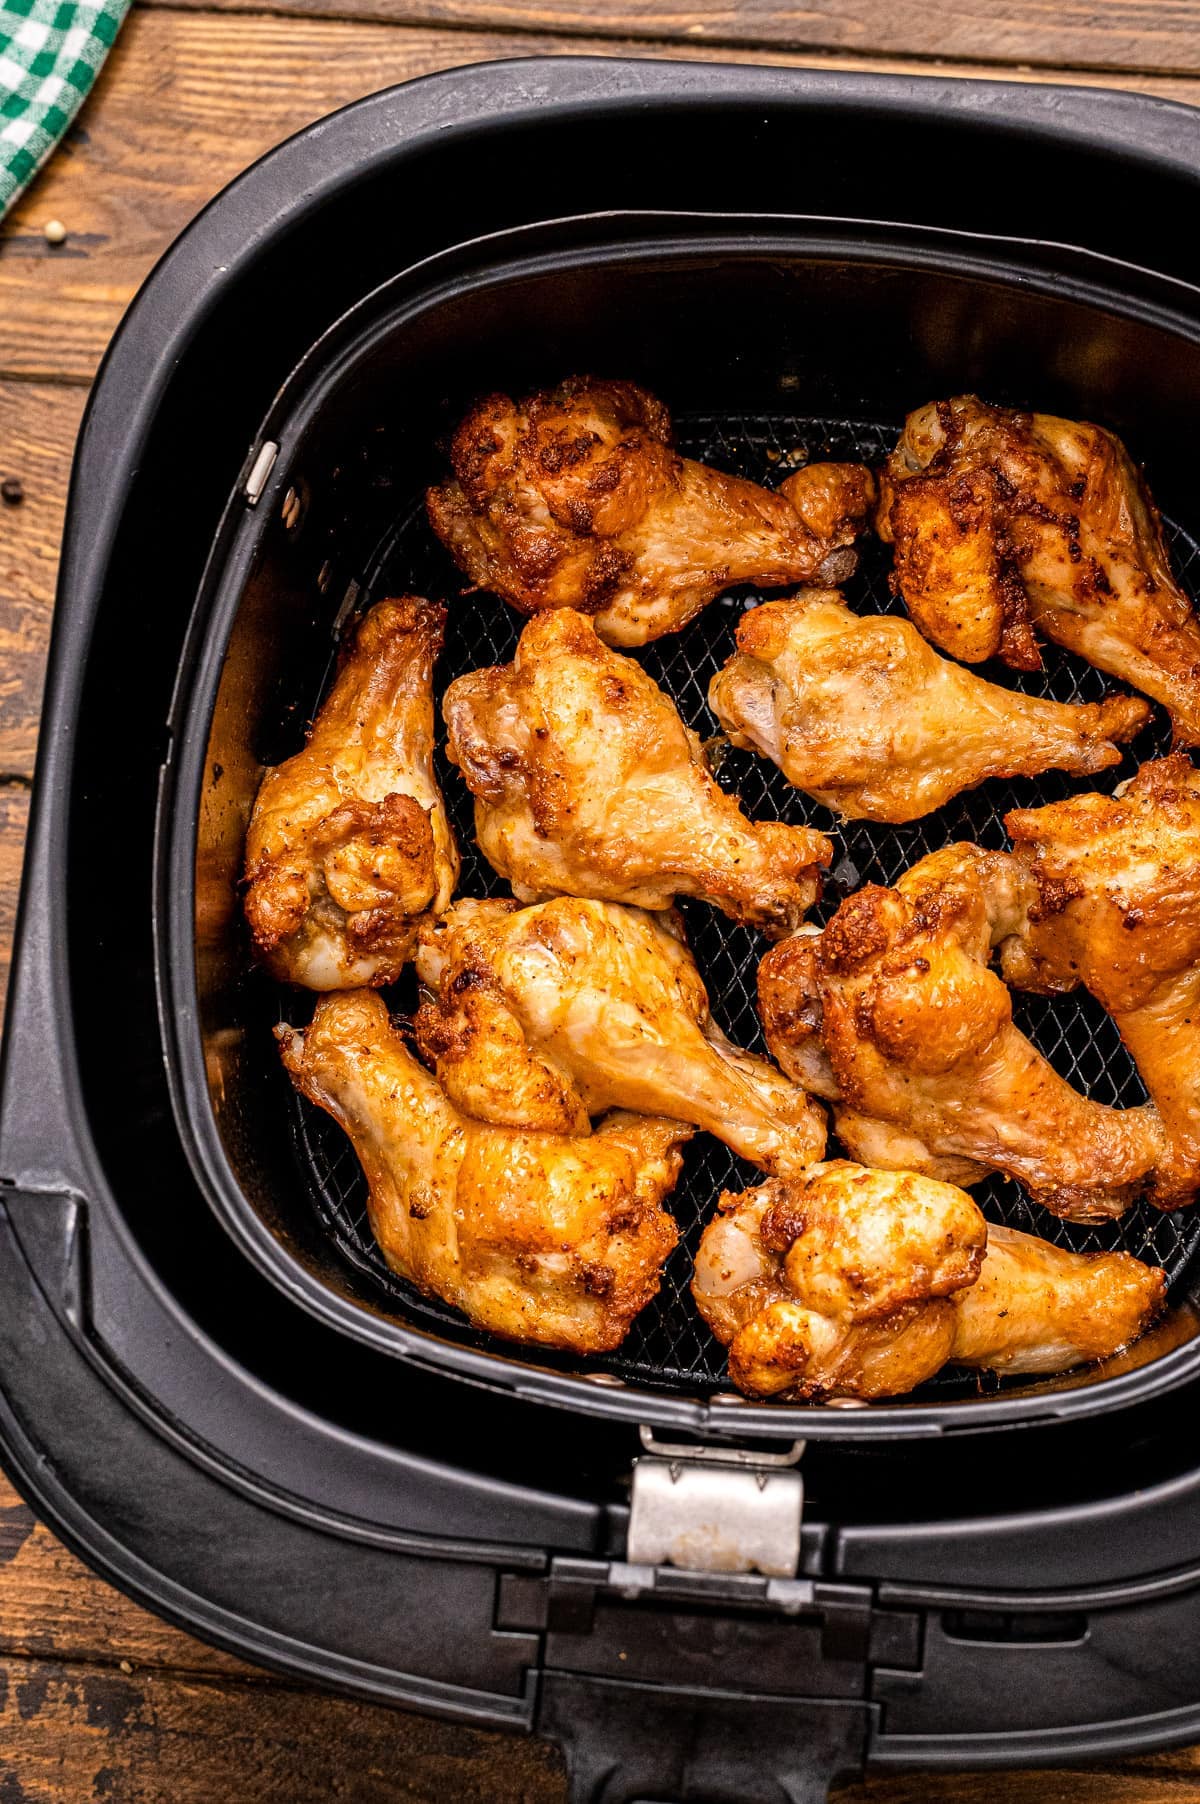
[{"x": 50, "y": 51}]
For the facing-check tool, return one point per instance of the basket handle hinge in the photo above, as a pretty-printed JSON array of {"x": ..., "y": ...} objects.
[{"x": 716, "y": 1509}]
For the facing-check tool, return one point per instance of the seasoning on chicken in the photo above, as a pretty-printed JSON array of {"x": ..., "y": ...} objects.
[
  {"x": 587, "y": 783},
  {"x": 1118, "y": 910},
  {"x": 857, "y": 1283},
  {"x": 865, "y": 717},
  {"x": 349, "y": 843},
  {"x": 545, "y": 1016},
  {"x": 575, "y": 497},
  {"x": 1005, "y": 521},
  {"x": 893, "y": 1014},
  {"x": 543, "y": 1238}
]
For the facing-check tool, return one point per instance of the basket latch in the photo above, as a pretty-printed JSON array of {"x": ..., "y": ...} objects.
[{"x": 716, "y": 1509}]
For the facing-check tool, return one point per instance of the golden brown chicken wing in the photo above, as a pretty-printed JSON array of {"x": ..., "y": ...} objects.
[
  {"x": 893, "y": 1014},
  {"x": 587, "y": 783},
  {"x": 1006, "y": 521},
  {"x": 837, "y": 1284},
  {"x": 537, "y": 1237},
  {"x": 1118, "y": 910},
  {"x": 349, "y": 843},
  {"x": 857, "y": 1283},
  {"x": 869, "y": 720},
  {"x": 544, "y": 1016},
  {"x": 575, "y": 498}
]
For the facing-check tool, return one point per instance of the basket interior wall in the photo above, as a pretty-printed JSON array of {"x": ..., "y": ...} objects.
[{"x": 764, "y": 361}]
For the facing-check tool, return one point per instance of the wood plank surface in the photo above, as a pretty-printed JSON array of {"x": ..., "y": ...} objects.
[
  {"x": 52, "y": 1609},
  {"x": 1138, "y": 35},
  {"x": 184, "y": 103},
  {"x": 84, "y": 1732},
  {"x": 38, "y": 424}
]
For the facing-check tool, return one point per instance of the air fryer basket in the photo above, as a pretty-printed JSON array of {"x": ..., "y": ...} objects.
[
  {"x": 772, "y": 342},
  {"x": 669, "y": 1343}
]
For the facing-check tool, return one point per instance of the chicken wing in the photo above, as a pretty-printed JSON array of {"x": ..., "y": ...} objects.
[
  {"x": 893, "y": 1014},
  {"x": 837, "y": 1284},
  {"x": 857, "y": 1283},
  {"x": 587, "y": 783},
  {"x": 1006, "y": 521},
  {"x": 349, "y": 842},
  {"x": 1118, "y": 910},
  {"x": 871, "y": 722},
  {"x": 544, "y": 1016},
  {"x": 537, "y": 1237},
  {"x": 575, "y": 498}
]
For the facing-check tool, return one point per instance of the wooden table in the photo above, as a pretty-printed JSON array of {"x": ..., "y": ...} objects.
[{"x": 99, "y": 1700}]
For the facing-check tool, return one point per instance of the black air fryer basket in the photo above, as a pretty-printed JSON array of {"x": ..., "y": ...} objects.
[{"x": 209, "y": 1382}]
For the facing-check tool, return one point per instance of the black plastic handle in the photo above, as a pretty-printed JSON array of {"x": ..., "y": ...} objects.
[{"x": 647, "y": 1744}]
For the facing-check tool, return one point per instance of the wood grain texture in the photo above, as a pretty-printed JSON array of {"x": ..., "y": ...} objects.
[
  {"x": 1133, "y": 35},
  {"x": 38, "y": 424},
  {"x": 70, "y": 1734},
  {"x": 53, "y": 1609},
  {"x": 183, "y": 104}
]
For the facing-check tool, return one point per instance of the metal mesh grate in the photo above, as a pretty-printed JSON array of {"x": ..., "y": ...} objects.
[{"x": 668, "y": 1344}]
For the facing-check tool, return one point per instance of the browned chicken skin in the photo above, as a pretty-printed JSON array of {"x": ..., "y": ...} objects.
[
  {"x": 538, "y": 1237},
  {"x": 544, "y": 1016},
  {"x": 587, "y": 783},
  {"x": 1118, "y": 910},
  {"x": 869, "y": 720},
  {"x": 349, "y": 842},
  {"x": 857, "y": 1283},
  {"x": 1005, "y": 521},
  {"x": 575, "y": 498},
  {"x": 893, "y": 1014}
]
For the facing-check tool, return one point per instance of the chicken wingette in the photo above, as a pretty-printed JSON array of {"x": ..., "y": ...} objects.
[
  {"x": 858, "y": 1283},
  {"x": 545, "y": 1238},
  {"x": 546, "y": 1016},
  {"x": 349, "y": 843},
  {"x": 576, "y": 497},
  {"x": 1004, "y": 522},
  {"x": 587, "y": 783}
]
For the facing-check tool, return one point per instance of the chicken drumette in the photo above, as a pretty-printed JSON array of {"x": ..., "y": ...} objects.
[
  {"x": 576, "y": 498},
  {"x": 893, "y": 1014},
  {"x": 1118, "y": 910},
  {"x": 544, "y": 1016},
  {"x": 856, "y": 1283},
  {"x": 349, "y": 843},
  {"x": 537, "y": 1237},
  {"x": 1005, "y": 521},
  {"x": 587, "y": 783},
  {"x": 868, "y": 719}
]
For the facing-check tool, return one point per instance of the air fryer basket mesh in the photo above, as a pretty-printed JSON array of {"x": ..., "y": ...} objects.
[{"x": 668, "y": 1345}]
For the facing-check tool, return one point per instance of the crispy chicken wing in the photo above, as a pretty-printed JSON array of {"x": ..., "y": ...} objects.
[
  {"x": 575, "y": 498},
  {"x": 893, "y": 1014},
  {"x": 349, "y": 843},
  {"x": 1006, "y": 521},
  {"x": 538, "y": 1237},
  {"x": 587, "y": 783},
  {"x": 1118, "y": 910},
  {"x": 857, "y": 1283},
  {"x": 839, "y": 1283},
  {"x": 869, "y": 720},
  {"x": 544, "y": 1016}
]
